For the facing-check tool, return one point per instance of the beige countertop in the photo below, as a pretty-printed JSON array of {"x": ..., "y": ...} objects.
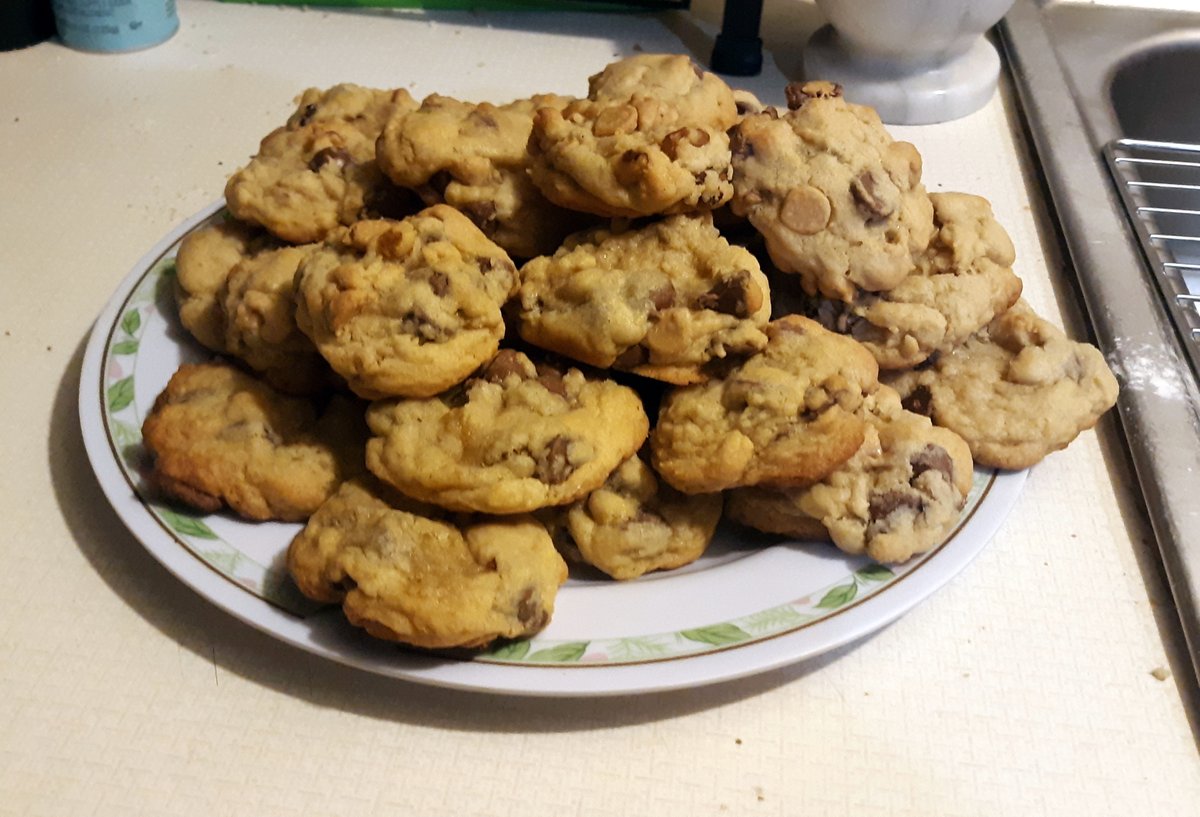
[{"x": 1045, "y": 678}]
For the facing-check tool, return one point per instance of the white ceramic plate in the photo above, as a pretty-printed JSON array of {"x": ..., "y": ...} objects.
[{"x": 751, "y": 604}]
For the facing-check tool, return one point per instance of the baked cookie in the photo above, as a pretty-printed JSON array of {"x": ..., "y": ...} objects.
[
  {"x": 318, "y": 171},
  {"x": 475, "y": 158},
  {"x": 836, "y": 199},
  {"x": 650, "y": 138},
  {"x": 635, "y": 523},
  {"x": 510, "y": 440},
  {"x": 899, "y": 495},
  {"x": 202, "y": 265},
  {"x": 961, "y": 282},
  {"x": 221, "y": 437},
  {"x": 423, "y": 581},
  {"x": 259, "y": 308},
  {"x": 786, "y": 416},
  {"x": 1016, "y": 390},
  {"x": 662, "y": 301},
  {"x": 233, "y": 286},
  {"x": 408, "y": 307}
]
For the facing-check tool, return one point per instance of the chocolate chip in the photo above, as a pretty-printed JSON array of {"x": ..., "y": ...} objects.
[
  {"x": 489, "y": 263},
  {"x": 631, "y": 358},
  {"x": 919, "y": 401},
  {"x": 421, "y": 326},
  {"x": 552, "y": 379},
  {"x": 506, "y": 362},
  {"x": 933, "y": 458},
  {"x": 339, "y": 156},
  {"x": 456, "y": 396},
  {"x": 530, "y": 612},
  {"x": 483, "y": 213},
  {"x": 868, "y": 194},
  {"x": 663, "y": 297},
  {"x": 736, "y": 295},
  {"x": 310, "y": 110},
  {"x": 884, "y": 505},
  {"x": 553, "y": 465},
  {"x": 439, "y": 282},
  {"x": 739, "y": 145}
]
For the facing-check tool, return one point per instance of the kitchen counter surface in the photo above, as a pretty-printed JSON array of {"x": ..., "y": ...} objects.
[{"x": 1047, "y": 677}]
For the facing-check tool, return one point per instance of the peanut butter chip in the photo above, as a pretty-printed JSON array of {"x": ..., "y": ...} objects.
[
  {"x": 614, "y": 120},
  {"x": 805, "y": 210}
]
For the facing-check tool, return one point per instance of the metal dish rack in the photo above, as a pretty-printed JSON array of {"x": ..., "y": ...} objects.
[{"x": 1159, "y": 183}]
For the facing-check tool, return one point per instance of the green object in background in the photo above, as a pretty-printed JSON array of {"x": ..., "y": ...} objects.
[{"x": 486, "y": 5}]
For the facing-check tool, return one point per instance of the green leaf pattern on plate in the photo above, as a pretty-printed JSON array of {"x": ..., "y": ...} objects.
[
  {"x": 509, "y": 651},
  {"x": 186, "y": 524},
  {"x": 838, "y": 596},
  {"x": 120, "y": 394},
  {"x": 717, "y": 634},
  {"x": 568, "y": 652}
]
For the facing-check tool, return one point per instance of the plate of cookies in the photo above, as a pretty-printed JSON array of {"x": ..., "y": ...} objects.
[{"x": 638, "y": 390}]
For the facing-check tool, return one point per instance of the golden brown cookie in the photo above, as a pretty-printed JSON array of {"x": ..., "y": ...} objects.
[
  {"x": 318, "y": 171},
  {"x": 221, "y": 437},
  {"x": 663, "y": 301},
  {"x": 202, "y": 265},
  {"x": 788, "y": 415},
  {"x": 428, "y": 582},
  {"x": 635, "y": 523},
  {"x": 1017, "y": 390},
  {"x": 838, "y": 202},
  {"x": 960, "y": 283},
  {"x": 406, "y": 307},
  {"x": 899, "y": 495},
  {"x": 234, "y": 290},
  {"x": 650, "y": 138},
  {"x": 475, "y": 158},
  {"x": 513, "y": 439}
]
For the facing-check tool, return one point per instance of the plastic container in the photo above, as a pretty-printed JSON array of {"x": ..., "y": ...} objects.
[{"x": 115, "y": 25}]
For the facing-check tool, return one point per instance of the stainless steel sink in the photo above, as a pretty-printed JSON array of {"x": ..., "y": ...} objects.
[
  {"x": 1111, "y": 97},
  {"x": 1155, "y": 91}
]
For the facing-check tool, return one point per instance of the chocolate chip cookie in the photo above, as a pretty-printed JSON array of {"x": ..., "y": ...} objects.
[
  {"x": 512, "y": 439},
  {"x": 202, "y": 266},
  {"x": 1017, "y": 390},
  {"x": 960, "y": 283},
  {"x": 475, "y": 158},
  {"x": 318, "y": 171},
  {"x": 650, "y": 138},
  {"x": 788, "y": 415},
  {"x": 427, "y": 582},
  {"x": 838, "y": 202},
  {"x": 662, "y": 301},
  {"x": 219, "y": 437},
  {"x": 899, "y": 495},
  {"x": 409, "y": 307},
  {"x": 234, "y": 289},
  {"x": 635, "y": 523}
]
